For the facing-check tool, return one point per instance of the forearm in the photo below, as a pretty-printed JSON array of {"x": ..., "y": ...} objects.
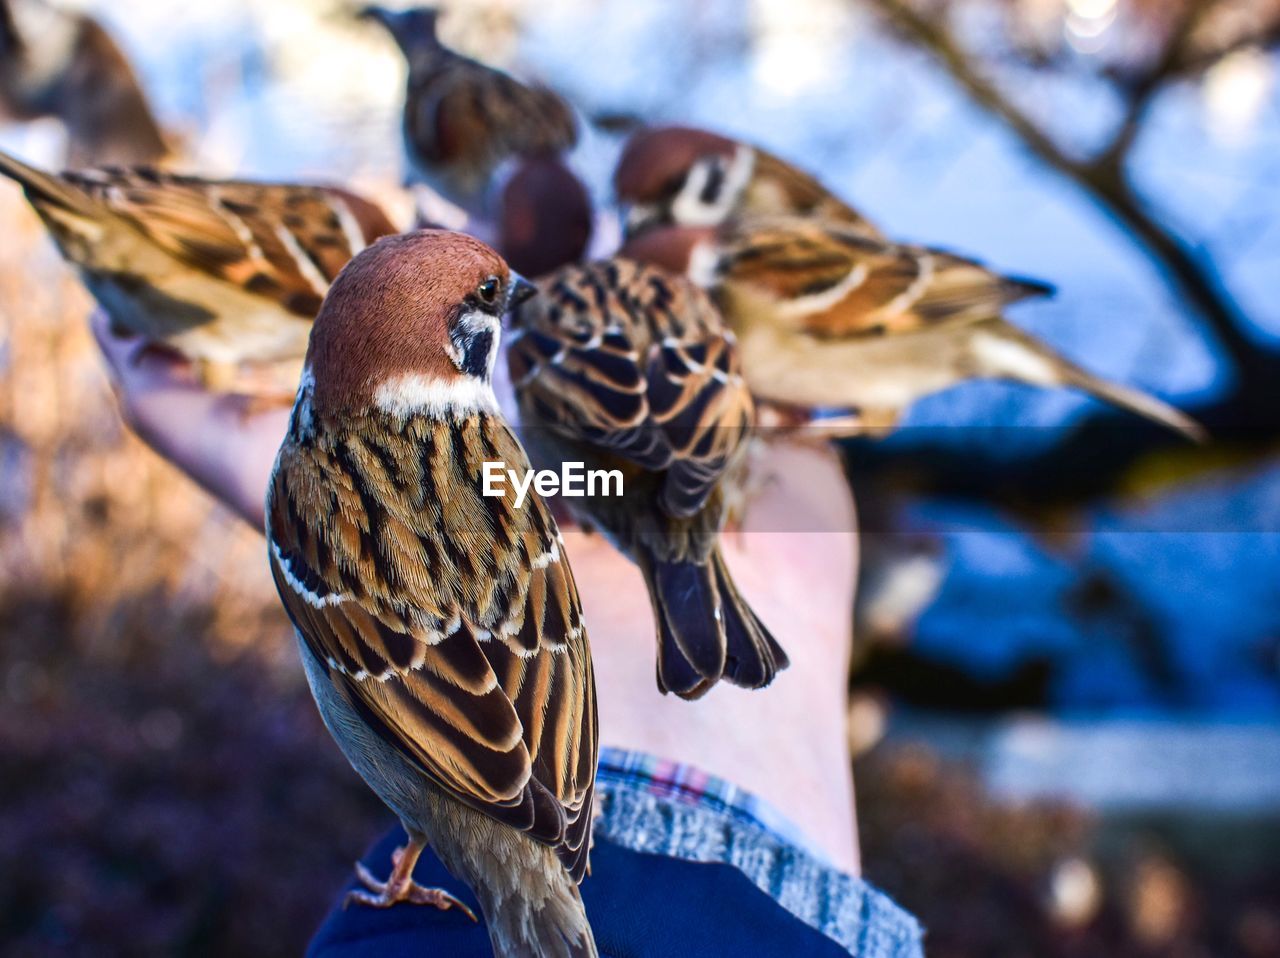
[
  {"x": 233, "y": 472},
  {"x": 787, "y": 744}
]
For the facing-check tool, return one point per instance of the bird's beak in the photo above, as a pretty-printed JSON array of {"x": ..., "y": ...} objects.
[
  {"x": 412, "y": 29},
  {"x": 391, "y": 21},
  {"x": 639, "y": 217},
  {"x": 521, "y": 290}
]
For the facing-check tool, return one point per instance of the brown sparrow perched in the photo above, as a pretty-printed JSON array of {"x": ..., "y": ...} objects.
[
  {"x": 61, "y": 63},
  {"x": 462, "y": 119},
  {"x": 222, "y": 272},
  {"x": 829, "y": 317},
  {"x": 440, "y": 627},
  {"x": 625, "y": 367},
  {"x": 683, "y": 176}
]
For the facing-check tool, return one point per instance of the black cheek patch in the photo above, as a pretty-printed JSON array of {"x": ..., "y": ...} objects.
[
  {"x": 475, "y": 353},
  {"x": 715, "y": 183}
]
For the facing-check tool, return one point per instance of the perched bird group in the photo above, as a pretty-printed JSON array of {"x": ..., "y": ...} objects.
[
  {"x": 830, "y": 314},
  {"x": 439, "y": 625}
]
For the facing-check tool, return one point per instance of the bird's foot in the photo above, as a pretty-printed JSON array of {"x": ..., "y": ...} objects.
[
  {"x": 401, "y": 887},
  {"x": 834, "y": 428},
  {"x": 264, "y": 385},
  {"x": 799, "y": 422},
  {"x": 250, "y": 407},
  {"x": 216, "y": 376}
]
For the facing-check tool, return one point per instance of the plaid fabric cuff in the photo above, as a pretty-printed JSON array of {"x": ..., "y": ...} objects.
[
  {"x": 654, "y": 805},
  {"x": 692, "y": 786}
]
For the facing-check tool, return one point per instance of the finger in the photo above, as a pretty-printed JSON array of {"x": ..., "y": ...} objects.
[
  {"x": 116, "y": 348},
  {"x": 135, "y": 364}
]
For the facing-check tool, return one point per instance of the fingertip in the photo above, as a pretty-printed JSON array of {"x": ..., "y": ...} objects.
[
  {"x": 111, "y": 340},
  {"x": 157, "y": 364}
]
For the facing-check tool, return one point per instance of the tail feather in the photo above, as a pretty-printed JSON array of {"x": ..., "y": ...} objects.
[
  {"x": 1001, "y": 350},
  {"x": 413, "y": 29},
  {"x": 706, "y": 630},
  {"x": 11, "y": 44},
  {"x": 1018, "y": 288},
  {"x": 691, "y": 640},
  {"x": 1139, "y": 403},
  {"x": 46, "y": 190},
  {"x": 676, "y": 673},
  {"x": 553, "y": 926},
  {"x": 753, "y": 657}
]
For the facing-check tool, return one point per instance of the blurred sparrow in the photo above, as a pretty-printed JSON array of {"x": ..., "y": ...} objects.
[
  {"x": 829, "y": 317},
  {"x": 440, "y": 627},
  {"x": 624, "y": 367},
  {"x": 544, "y": 219},
  {"x": 221, "y": 272},
  {"x": 62, "y": 63},
  {"x": 462, "y": 119},
  {"x": 678, "y": 175}
]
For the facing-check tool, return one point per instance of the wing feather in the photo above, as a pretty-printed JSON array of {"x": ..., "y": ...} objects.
[
  {"x": 281, "y": 241},
  {"x": 476, "y": 671},
  {"x": 459, "y": 110},
  {"x": 834, "y": 281},
  {"x": 625, "y": 358}
]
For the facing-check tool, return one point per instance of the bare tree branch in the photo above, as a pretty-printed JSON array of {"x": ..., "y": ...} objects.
[
  {"x": 1189, "y": 274},
  {"x": 1141, "y": 92},
  {"x": 1195, "y": 60}
]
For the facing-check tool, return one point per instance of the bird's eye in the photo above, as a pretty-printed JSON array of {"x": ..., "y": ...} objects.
[{"x": 488, "y": 290}]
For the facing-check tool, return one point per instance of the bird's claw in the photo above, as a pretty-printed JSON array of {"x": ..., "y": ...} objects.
[{"x": 384, "y": 894}]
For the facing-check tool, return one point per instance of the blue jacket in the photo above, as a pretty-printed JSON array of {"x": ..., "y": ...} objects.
[{"x": 640, "y": 906}]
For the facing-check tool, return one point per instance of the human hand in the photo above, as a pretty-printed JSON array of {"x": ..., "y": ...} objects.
[{"x": 226, "y": 443}]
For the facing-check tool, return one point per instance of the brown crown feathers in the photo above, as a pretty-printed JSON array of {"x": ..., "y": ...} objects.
[{"x": 678, "y": 175}]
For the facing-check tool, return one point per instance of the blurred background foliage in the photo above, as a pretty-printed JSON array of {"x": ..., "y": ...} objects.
[{"x": 1081, "y": 589}]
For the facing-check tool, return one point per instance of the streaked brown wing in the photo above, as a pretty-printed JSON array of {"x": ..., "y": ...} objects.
[
  {"x": 833, "y": 281},
  {"x": 283, "y": 242},
  {"x": 787, "y": 259},
  {"x": 551, "y": 127},
  {"x": 446, "y": 118},
  {"x": 465, "y": 109},
  {"x": 804, "y": 195},
  {"x": 449, "y": 620},
  {"x": 634, "y": 361}
]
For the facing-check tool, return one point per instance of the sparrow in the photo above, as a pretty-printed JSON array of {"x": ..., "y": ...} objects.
[
  {"x": 222, "y": 272},
  {"x": 624, "y": 367},
  {"x": 63, "y": 64},
  {"x": 545, "y": 217},
  {"x": 463, "y": 119},
  {"x": 684, "y": 176},
  {"x": 440, "y": 627},
  {"x": 828, "y": 317}
]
